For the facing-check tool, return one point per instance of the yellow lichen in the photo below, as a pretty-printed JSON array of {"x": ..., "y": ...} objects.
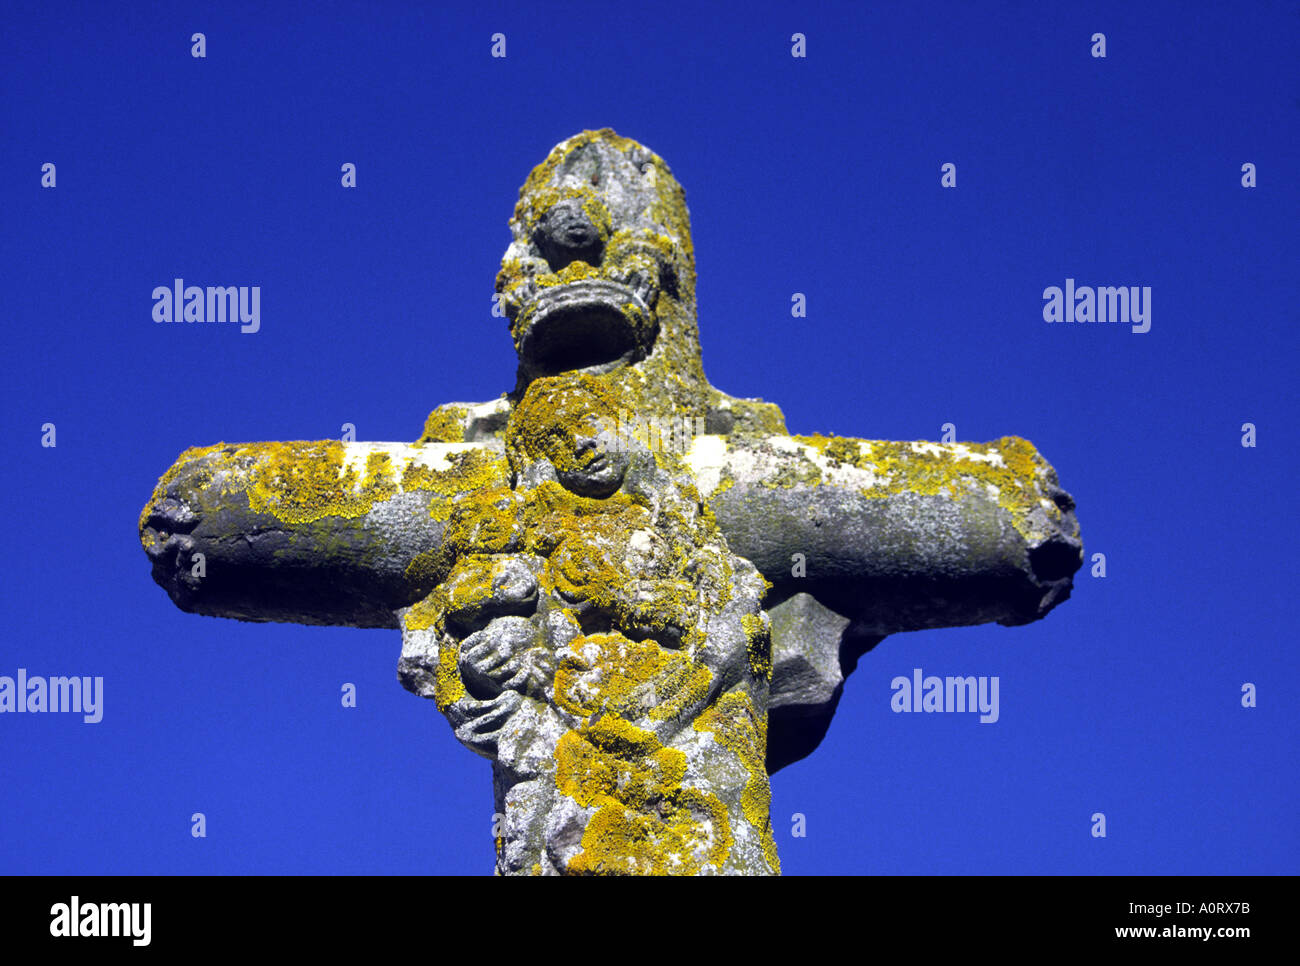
[
  {"x": 796, "y": 470},
  {"x": 303, "y": 482},
  {"x": 429, "y": 614},
  {"x": 739, "y": 728},
  {"x": 471, "y": 470},
  {"x": 448, "y": 688},
  {"x": 190, "y": 455},
  {"x": 573, "y": 272},
  {"x": 488, "y": 520},
  {"x": 841, "y": 449},
  {"x": 1015, "y": 474},
  {"x": 537, "y": 201},
  {"x": 660, "y": 234},
  {"x": 752, "y": 418},
  {"x": 647, "y": 822},
  {"x": 552, "y": 412},
  {"x": 444, "y": 425},
  {"x": 533, "y": 193},
  {"x": 609, "y": 672},
  {"x": 1011, "y": 465},
  {"x": 758, "y": 645},
  {"x": 470, "y": 586}
]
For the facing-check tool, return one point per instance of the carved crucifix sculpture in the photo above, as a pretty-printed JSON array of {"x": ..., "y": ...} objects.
[{"x": 636, "y": 627}]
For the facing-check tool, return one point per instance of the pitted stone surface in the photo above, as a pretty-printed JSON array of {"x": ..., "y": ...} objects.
[{"x": 587, "y": 610}]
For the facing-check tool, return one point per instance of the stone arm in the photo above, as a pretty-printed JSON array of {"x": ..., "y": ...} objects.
[
  {"x": 308, "y": 532},
  {"x": 890, "y": 537},
  {"x": 897, "y": 536}
]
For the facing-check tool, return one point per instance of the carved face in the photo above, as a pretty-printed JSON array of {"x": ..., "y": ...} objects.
[
  {"x": 597, "y": 464},
  {"x": 601, "y": 244},
  {"x": 565, "y": 420}
]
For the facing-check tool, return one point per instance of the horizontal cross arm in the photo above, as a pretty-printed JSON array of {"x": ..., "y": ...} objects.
[
  {"x": 897, "y": 536},
  {"x": 310, "y": 532}
]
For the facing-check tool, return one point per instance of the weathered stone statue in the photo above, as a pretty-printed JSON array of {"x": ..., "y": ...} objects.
[{"x": 584, "y": 599}]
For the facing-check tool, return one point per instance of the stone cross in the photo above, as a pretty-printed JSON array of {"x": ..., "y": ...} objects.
[{"x": 636, "y": 595}]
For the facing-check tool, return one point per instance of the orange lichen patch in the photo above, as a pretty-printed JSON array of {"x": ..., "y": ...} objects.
[
  {"x": 739, "y": 728},
  {"x": 646, "y": 822}
]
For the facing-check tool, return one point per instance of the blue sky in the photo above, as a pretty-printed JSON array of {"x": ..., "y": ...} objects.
[{"x": 816, "y": 175}]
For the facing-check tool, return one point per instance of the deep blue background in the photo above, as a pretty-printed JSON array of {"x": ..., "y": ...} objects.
[{"x": 818, "y": 176}]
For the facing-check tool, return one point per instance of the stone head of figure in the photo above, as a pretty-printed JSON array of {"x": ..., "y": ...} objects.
[
  {"x": 600, "y": 274},
  {"x": 567, "y": 421}
]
